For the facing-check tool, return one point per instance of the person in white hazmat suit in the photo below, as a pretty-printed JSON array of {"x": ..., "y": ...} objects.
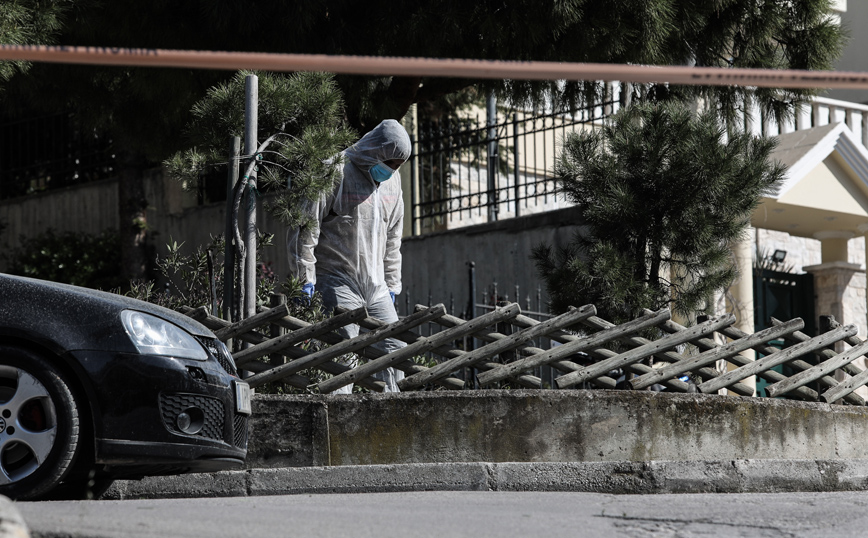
[{"x": 351, "y": 253}]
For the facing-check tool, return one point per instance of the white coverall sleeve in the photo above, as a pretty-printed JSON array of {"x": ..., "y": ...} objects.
[
  {"x": 392, "y": 258},
  {"x": 301, "y": 243}
]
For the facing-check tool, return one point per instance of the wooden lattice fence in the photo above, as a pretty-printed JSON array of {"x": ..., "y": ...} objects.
[{"x": 590, "y": 350}]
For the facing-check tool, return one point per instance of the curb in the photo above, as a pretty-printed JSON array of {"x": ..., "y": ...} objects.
[
  {"x": 731, "y": 476},
  {"x": 11, "y": 523}
]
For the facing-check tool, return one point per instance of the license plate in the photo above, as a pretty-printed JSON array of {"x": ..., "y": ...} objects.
[{"x": 242, "y": 398}]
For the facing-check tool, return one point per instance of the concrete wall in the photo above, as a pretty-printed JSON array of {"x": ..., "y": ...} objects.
[
  {"x": 437, "y": 264},
  {"x": 91, "y": 208},
  {"x": 547, "y": 426}
]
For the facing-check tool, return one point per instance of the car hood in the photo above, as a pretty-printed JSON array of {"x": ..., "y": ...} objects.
[{"x": 75, "y": 317}]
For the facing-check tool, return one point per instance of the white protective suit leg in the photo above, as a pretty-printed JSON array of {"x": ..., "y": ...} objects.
[{"x": 380, "y": 307}]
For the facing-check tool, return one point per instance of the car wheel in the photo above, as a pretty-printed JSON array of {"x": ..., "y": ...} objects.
[{"x": 39, "y": 425}]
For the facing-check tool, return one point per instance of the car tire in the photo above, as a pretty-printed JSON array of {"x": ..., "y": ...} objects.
[
  {"x": 40, "y": 436},
  {"x": 79, "y": 489},
  {"x": 84, "y": 482}
]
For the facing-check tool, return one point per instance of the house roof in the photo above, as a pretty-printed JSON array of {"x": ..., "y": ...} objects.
[{"x": 825, "y": 189}]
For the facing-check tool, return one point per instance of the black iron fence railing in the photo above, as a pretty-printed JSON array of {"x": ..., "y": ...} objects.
[
  {"x": 50, "y": 152},
  {"x": 466, "y": 171}
]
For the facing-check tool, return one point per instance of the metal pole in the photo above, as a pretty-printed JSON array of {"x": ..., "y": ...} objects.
[
  {"x": 472, "y": 382},
  {"x": 515, "y": 164},
  {"x": 414, "y": 202},
  {"x": 251, "y": 106},
  {"x": 471, "y": 305},
  {"x": 229, "y": 232},
  {"x": 491, "y": 121},
  {"x": 538, "y": 299}
]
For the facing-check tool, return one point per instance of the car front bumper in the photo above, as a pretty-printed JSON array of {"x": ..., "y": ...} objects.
[{"x": 136, "y": 401}]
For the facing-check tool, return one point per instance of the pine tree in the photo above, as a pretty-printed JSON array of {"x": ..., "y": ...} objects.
[
  {"x": 28, "y": 22},
  {"x": 301, "y": 129},
  {"x": 664, "y": 194}
]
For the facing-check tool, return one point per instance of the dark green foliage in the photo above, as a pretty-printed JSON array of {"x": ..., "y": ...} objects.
[
  {"x": 81, "y": 259},
  {"x": 301, "y": 115},
  {"x": 664, "y": 195},
  {"x": 27, "y": 22},
  {"x": 796, "y": 34},
  {"x": 186, "y": 279},
  {"x": 189, "y": 280}
]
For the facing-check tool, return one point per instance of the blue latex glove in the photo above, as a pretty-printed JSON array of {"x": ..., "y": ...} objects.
[
  {"x": 308, "y": 289},
  {"x": 392, "y": 295}
]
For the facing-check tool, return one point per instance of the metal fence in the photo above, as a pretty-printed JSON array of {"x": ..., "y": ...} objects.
[
  {"x": 51, "y": 152},
  {"x": 469, "y": 171}
]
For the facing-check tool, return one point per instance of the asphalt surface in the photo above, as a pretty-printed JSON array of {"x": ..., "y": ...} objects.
[
  {"x": 610, "y": 484},
  {"x": 477, "y": 514}
]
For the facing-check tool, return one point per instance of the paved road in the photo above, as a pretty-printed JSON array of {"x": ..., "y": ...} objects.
[{"x": 472, "y": 514}]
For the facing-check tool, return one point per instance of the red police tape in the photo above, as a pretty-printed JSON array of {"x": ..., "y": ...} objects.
[{"x": 434, "y": 67}]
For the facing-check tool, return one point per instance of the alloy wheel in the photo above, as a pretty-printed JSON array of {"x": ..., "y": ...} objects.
[{"x": 28, "y": 424}]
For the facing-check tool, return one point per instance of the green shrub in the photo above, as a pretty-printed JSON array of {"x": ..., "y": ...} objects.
[{"x": 81, "y": 259}]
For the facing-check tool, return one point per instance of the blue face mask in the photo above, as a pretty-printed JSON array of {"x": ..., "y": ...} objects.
[{"x": 380, "y": 172}]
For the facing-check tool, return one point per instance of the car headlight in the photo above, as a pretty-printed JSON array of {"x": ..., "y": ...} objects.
[{"x": 155, "y": 336}]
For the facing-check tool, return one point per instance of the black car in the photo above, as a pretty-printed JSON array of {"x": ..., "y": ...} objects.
[{"x": 96, "y": 386}]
